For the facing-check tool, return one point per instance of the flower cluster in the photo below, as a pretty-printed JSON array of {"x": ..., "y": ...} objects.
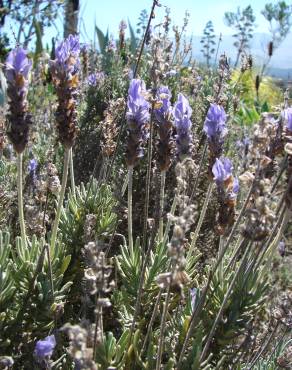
[
  {"x": 182, "y": 114},
  {"x": 65, "y": 69},
  {"x": 215, "y": 129},
  {"x": 16, "y": 70},
  {"x": 227, "y": 188},
  {"x": 137, "y": 119},
  {"x": 163, "y": 115}
]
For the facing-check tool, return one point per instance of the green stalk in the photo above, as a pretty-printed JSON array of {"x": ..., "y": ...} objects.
[
  {"x": 72, "y": 177},
  {"x": 20, "y": 198},
  {"x": 61, "y": 199},
  {"x": 161, "y": 203},
  {"x": 148, "y": 181},
  {"x": 153, "y": 316},
  {"x": 162, "y": 329},
  {"x": 201, "y": 219},
  {"x": 130, "y": 208}
]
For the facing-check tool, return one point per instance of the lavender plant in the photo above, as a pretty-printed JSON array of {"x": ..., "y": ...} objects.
[{"x": 175, "y": 275}]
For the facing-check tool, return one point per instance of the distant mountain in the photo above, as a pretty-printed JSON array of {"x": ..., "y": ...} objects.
[{"x": 281, "y": 63}]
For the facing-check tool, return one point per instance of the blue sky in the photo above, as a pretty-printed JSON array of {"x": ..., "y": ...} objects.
[{"x": 109, "y": 13}]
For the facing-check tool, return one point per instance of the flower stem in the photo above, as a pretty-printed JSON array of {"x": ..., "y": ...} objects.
[
  {"x": 148, "y": 180},
  {"x": 162, "y": 329},
  {"x": 201, "y": 219},
  {"x": 72, "y": 178},
  {"x": 161, "y": 203},
  {"x": 130, "y": 208},
  {"x": 172, "y": 211},
  {"x": 20, "y": 198},
  {"x": 149, "y": 327},
  {"x": 61, "y": 199}
]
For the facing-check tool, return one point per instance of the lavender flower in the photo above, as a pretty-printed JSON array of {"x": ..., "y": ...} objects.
[
  {"x": 67, "y": 53},
  {"x": 16, "y": 70},
  {"x": 137, "y": 117},
  {"x": 95, "y": 78},
  {"x": 287, "y": 115},
  {"x": 171, "y": 73},
  {"x": 193, "y": 295},
  {"x": 215, "y": 129},
  {"x": 111, "y": 47},
  {"x": 122, "y": 25},
  {"x": 215, "y": 123},
  {"x": 32, "y": 167},
  {"x": 65, "y": 69},
  {"x": 122, "y": 28},
  {"x": 164, "y": 111},
  {"x": 227, "y": 187},
  {"x": 92, "y": 80},
  {"x": 222, "y": 170},
  {"x": 282, "y": 248},
  {"x": 163, "y": 115},
  {"x": 182, "y": 115},
  {"x": 44, "y": 348}
]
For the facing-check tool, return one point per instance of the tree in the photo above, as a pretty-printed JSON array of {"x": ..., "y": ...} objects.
[
  {"x": 242, "y": 22},
  {"x": 279, "y": 17},
  {"x": 208, "y": 42}
]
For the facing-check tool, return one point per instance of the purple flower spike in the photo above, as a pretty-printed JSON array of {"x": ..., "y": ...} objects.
[
  {"x": 138, "y": 107},
  {"x": 44, "y": 348},
  {"x": 183, "y": 124},
  {"x": 137, "y": 118},
  {"x": 163, "y": 113},
  {"x": 222, "y": 170},
  {"x": 65, "y": 69},
  {"x": 16, "y": 70},
  {"x": 287, "y": 115},
  {"x": 215, "y": 123}
]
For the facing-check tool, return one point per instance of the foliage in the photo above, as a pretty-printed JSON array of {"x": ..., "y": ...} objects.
[{"x": 145, "y": 267}]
